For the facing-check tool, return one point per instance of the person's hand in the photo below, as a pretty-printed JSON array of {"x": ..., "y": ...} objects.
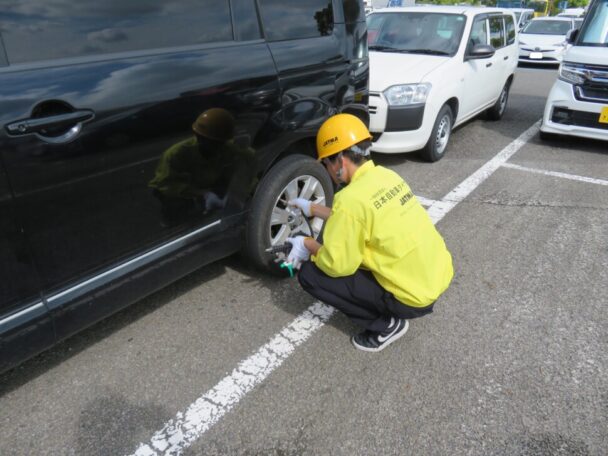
[
  {"x": 299, "y": 252},
  {"x": 303, "y": 204}
]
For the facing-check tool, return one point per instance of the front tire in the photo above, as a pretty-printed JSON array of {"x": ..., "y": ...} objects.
[
  {"x": 438, "y": 142},
  {"x": 270, "y": 221}
]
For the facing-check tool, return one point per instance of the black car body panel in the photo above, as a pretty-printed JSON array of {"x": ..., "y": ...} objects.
[{"x": 82, "y": 133}]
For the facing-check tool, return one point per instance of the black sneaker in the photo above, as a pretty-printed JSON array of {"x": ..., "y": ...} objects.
[{"x": 374, "y": 342}]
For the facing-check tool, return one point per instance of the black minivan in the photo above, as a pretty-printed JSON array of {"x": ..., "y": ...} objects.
[{"x": 142, "y": 140}]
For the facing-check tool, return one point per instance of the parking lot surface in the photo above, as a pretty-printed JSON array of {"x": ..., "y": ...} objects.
[{"x": 512, "y": 362}]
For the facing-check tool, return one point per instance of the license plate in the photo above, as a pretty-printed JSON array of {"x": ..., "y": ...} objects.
[
  {"x": 604, "y": 115},
  {"x": 536, "y": 55}
]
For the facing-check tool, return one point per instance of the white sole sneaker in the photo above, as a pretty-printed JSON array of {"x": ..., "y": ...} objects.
[{"x": 389, "y": 340}]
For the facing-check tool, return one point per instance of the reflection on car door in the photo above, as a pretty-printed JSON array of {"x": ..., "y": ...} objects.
[
  {"x": 25, "y": 324},
  {"x": 83, "y": 185},
  {"x": 300, "y": 37}
]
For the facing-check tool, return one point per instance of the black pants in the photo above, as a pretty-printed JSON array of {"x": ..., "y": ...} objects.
[{"x": 359, "y": 296}]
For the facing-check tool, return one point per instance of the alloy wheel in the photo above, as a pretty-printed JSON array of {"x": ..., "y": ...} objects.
[{"x": 287, "y": 221}]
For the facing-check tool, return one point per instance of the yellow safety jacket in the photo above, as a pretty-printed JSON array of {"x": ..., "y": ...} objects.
[{"x": 376, "y": 223}]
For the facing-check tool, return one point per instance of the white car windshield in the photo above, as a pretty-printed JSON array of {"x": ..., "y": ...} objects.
[
  {"x": 595, "y": 29},
  {"x": 415, "y": 32},
  {"x": 547, "y": 27}
]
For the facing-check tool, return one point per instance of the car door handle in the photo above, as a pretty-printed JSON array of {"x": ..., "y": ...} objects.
[
  {"x": 488, "y": 65},
  {"x": 506, "y": 57},
  {"x": 38, "y": 124}
]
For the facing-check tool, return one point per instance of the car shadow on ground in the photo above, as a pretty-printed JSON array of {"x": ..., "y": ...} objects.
[
  {"x": 573, "y": 143},
  {"x": 286, "y": 294},
  {"x": 64, "y": 350}
]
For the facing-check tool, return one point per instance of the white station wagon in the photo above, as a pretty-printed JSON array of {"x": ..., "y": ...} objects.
[{"x": 433, "y": 68}]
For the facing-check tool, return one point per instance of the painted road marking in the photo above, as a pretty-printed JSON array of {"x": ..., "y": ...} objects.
[
  {"x": 574, "y": 177},
  {"x": 438, "y": 210},
  {"x": 180, "y": 432},
  {"x": 426, "y": 202},
  {"x": 188, "y": 426}
]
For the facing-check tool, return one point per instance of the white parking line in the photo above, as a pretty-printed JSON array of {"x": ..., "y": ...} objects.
[
  {"x": 438, "y": 210},
  {"x": 574, "y": 177},
  {"x": 426, "y": 202},
  {"x": 188, "y": 426}
]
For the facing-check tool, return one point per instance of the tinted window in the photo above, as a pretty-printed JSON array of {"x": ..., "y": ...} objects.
[
  {"x": 40, "y": 30},
  {"x": 497, "y": 32},
  {"x": 297, "y": 19},
  {"x": 246, "y": 23},
  {"x": 510, "y": 26},
  {"x": 479, "y": 33}
]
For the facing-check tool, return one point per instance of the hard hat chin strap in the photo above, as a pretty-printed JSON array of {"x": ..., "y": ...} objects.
[{"x": 339, "y": 172}]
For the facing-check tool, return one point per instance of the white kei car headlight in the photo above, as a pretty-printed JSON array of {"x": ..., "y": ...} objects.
[
  {"x": 406, "y": 94},
  {"x": 571, "y": 74}
]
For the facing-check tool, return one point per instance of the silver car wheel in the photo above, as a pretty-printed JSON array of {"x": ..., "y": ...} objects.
[
  {"x": 443, "y": 134},
  {"x": 287, "y": 221}
]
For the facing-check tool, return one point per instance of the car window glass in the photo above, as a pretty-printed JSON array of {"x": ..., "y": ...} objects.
[
  {"x": 246, "y": 25},
  {"x": 41, "y": 30},
  {"x": 547, "y": 27},
  {"x": 294, "y": 20},
  {"x": 431, "y": 33},
  {"x": 497, "y": 32},
  {"x": 595, "y": 29},
  {"x": 374, "y": 25},
  {"x": 510, "y": 26},
  {"x": 479, "y": 33}
]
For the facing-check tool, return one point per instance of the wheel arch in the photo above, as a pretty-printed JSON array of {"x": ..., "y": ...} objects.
[
  {"x": 304, "y": 146},
  {"x": 454, "y": 105}
]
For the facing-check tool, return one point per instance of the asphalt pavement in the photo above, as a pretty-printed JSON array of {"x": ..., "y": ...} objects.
[{"x": 512, "y": 362}]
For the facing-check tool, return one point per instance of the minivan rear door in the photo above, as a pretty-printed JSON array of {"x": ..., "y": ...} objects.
[{"x": 94, "y": 98}]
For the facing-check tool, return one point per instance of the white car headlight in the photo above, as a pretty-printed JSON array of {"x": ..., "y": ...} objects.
[
  {"x": 563, "y": 43},
  {"x": 571, "y": 74},
  {"x": 406, "y": 94},
  {"x": 521, "y": 42}
]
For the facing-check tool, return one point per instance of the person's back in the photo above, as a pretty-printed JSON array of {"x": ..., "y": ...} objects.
[{"x": 402, "y": 248}]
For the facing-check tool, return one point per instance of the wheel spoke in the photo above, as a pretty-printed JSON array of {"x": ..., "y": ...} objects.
[
  {"x": 281, "y": 236},
  {"x": 292, "y": 190},
  {"x": 278, "y": 217},
  {"x": 310, "y": 187}
]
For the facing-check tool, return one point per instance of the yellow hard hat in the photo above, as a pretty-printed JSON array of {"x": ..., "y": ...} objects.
[
  {"x": 338, "y": 133},
  {"x": 215, "y": 123}
]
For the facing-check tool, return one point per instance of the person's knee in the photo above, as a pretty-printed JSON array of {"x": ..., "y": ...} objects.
[{"x": 307, "y": 274}]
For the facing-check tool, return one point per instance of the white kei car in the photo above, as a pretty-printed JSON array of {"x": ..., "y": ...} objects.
[{"x": 434, "y": 67}]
